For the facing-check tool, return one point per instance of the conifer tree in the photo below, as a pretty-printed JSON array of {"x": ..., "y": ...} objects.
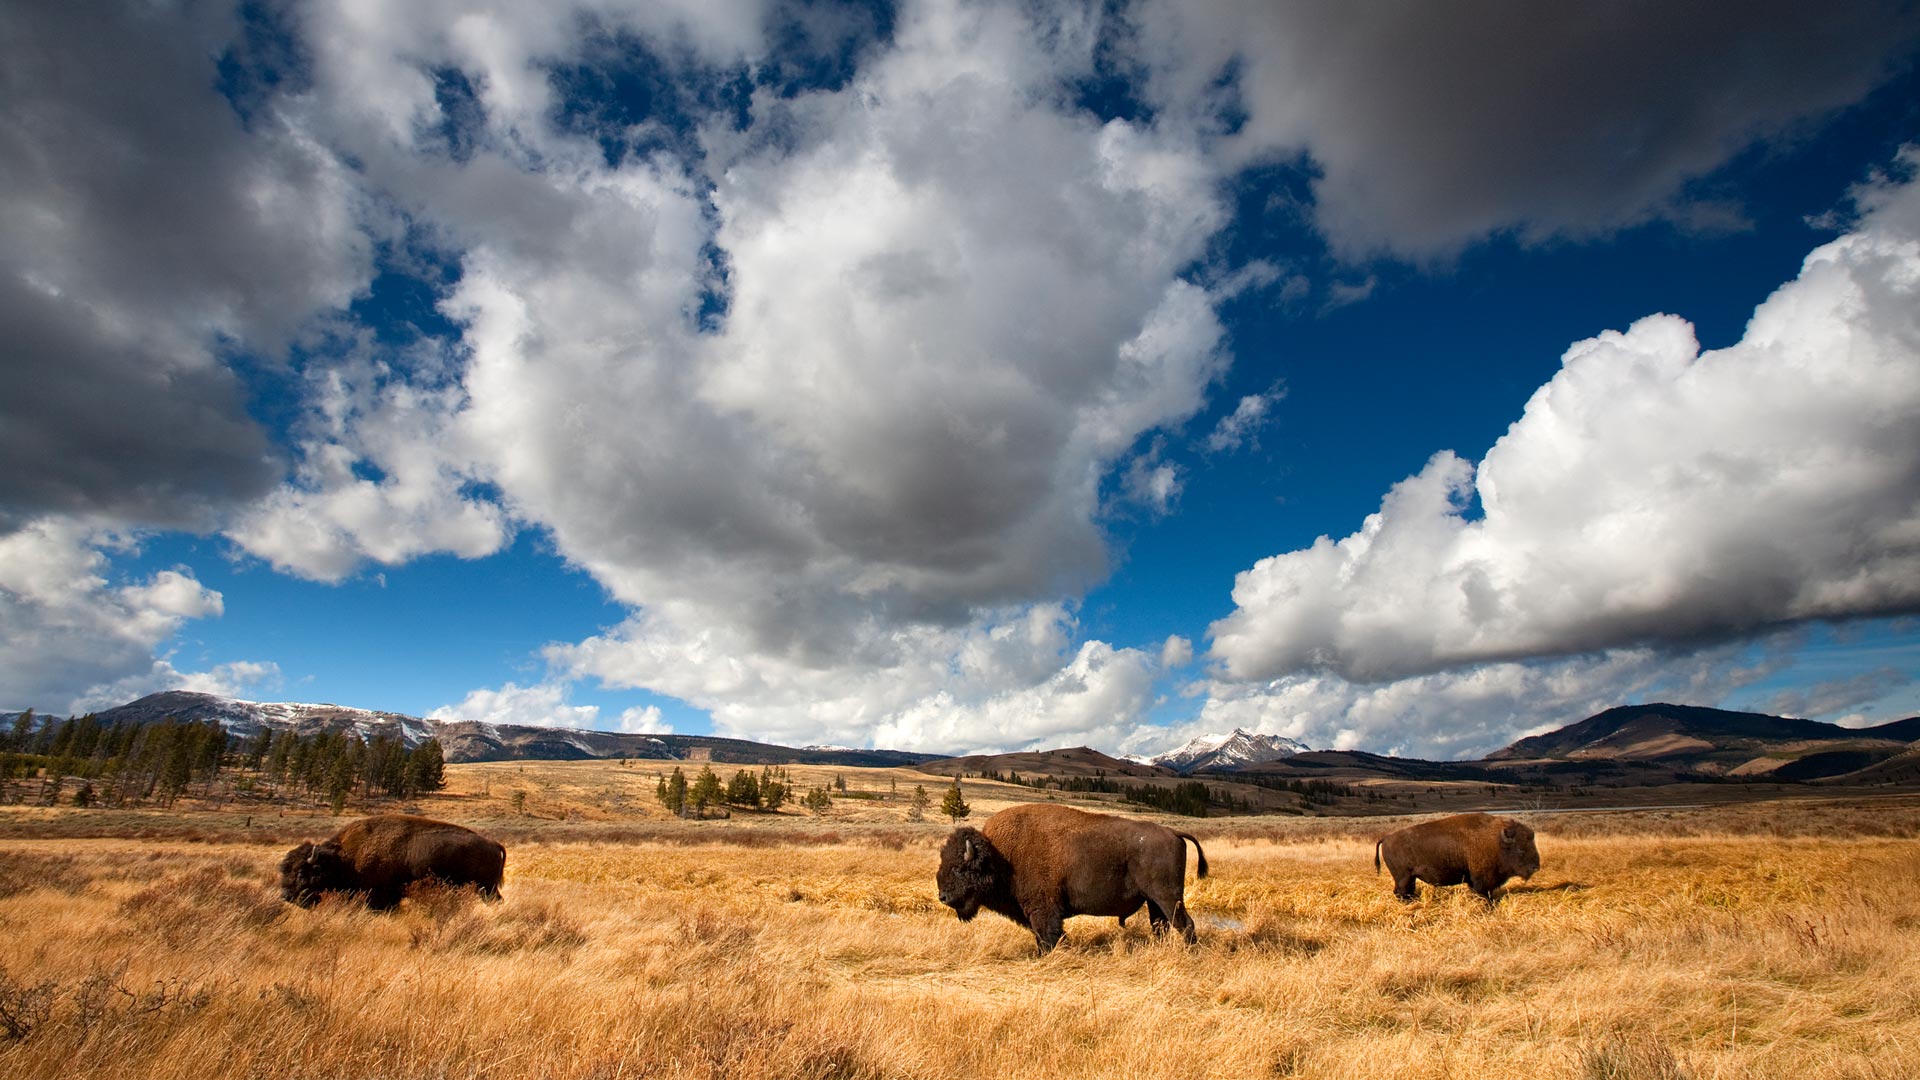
[
  {"x": 22, "y": 733},
  {"x": 917, "y": 806},
  {"x": 705, "y": 789},
  {"x": 673, "y": 791},
  {"x": 743, "y": 789},
  {"x": 427, "y": 767},
  {"x": 953, "y": 805}
]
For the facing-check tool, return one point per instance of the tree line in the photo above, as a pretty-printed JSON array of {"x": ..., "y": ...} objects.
[
  {"x": 134, "y": 762},
  {"x": 768, "y": 790}
]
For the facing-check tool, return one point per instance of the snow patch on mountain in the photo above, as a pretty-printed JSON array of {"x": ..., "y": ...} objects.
[{"x": 1233, "y": 750}]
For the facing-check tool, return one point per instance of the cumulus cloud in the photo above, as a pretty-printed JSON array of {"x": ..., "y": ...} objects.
[
  {"x": 146, "y": 230},
  {"x": 242, "y": 679},
  {"x": 1429, "y": 126},
  {"x": 382, "y": 475},
  {"x": 1465, "y": 713},
  {"x": 541, "y": 705},
  {"x": 952, "y": 303},
  {"x": 1650, "y": 493},
  {"x": 645, "y": 719},
  {"x": 1015, "y": 682},
  {"x": 1176, "y": 652},
  {"x": 67, "y": 625},
  {"x": 820, "y": 363}
]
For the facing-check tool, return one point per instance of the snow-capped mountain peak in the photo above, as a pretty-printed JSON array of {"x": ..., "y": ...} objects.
[{"x": 1232, "y": 750}]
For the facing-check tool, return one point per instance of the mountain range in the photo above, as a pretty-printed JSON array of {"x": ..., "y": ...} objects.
[
  {"x": 1237, "y": 749},
  {"x": 467, "y": 740},
  {"x": 1629, "y": 745}
]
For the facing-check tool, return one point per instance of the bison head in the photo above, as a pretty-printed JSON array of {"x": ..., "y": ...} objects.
[
  {"x": 972, "y": 870},
  {"x": 309, "y": 870},
  {"x": 1517, "y": 851}
]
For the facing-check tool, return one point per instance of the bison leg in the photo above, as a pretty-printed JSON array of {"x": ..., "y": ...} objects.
[
  {"x": 490, "y": 893},
  {"x": 384, "y": 899},
  {"x": 1484, "y": 891},
  {"x": 1048, "y": 929},
  {"x": 1183, "y": 922},
  {"x": 1157, "y": 918}
]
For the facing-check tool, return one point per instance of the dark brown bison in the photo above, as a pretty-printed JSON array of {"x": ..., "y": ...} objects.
[
  {"x": 381, "y": 855},
  {"x": 1037, "y": 864},
  {"x": 1477, "y": 849}
]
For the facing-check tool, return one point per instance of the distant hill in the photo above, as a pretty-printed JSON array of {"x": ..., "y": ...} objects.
[
  {"x": 1713, "y": 742},
  {"x": 472, "y": 741},
  {"x": 1072, "y": 761},
  {"x": 1633, "y": 745}
]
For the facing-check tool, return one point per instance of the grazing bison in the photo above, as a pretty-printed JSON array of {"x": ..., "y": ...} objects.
[
  {"x": 1037, "y": 864},
  {"x": 1477, "y": 849},
  {"x": 381, "y": 855}
]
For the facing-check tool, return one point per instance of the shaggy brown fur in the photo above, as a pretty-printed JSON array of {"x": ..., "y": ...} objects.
[
  {"x": 1038, "y": 863},
  {"x": 1479, "y": 850},
  {"x": 381, "y": 855}
]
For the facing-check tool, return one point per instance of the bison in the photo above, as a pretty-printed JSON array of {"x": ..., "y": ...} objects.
[
  {"x": 1477, "y": 849},
  {"x": 1038, "y": 864},
  {"x": 381, "y": 855}
]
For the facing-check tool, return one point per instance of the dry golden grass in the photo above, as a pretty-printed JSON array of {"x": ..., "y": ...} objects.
[{"x": 1693, "y": 944}]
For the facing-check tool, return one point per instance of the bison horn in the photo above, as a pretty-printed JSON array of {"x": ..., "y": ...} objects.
[{"x": 967, "y": 851}]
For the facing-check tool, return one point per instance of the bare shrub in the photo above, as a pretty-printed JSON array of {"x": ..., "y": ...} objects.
[{"x": 24, "y": 1007}]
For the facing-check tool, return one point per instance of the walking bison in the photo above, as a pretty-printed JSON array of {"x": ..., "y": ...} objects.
[
  {"x": 1037, "y": 864},
  {"x": 381, "y": 855},
  {"x": 1477, "y": 849}
]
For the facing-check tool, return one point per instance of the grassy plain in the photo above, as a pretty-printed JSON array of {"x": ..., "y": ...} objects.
[{"x": 1772, "y": 939}]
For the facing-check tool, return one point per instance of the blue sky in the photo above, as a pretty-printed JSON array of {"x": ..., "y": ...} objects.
[{"x": 965, "y": 375}]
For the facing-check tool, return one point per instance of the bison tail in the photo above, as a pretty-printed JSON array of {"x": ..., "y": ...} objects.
[
  {"x": 1376, "y": 854},
  {"x": 1200, "y": 869}
]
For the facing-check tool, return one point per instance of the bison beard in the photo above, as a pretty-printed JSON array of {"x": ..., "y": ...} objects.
[
  {"x": 381, "y": 855},
  {"x": 1038, "y": 864}
]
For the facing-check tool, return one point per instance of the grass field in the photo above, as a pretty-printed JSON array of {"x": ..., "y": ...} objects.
[{"x": 1765, "y": 940}]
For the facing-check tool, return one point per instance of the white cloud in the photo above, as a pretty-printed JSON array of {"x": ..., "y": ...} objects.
[
  {"x": 382, "y": 476},
  {"x": 953, "y": 306},
  {"x": 67, "y": 626},
  {"x": 999, "y": 684},
  {"x": 540, "y": 705},
  {"x": 1176, "y": 652},
  {"x": 1242, "y": 425},
  {"x": 245, "y": 679},
  {"x": 643, "y": 719},
  {"x": 1466, "y": 713},
  {"x": 1649, "y": 493}
]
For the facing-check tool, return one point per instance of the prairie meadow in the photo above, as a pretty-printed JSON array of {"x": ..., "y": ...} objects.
[{"x": 1772, "y": 939}]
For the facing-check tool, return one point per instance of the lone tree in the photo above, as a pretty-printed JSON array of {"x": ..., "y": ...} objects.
[
  {"x": 817, "y": 800},
  {"x": 917, "y": 806},
  {"x": 953, "y": 805}
]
